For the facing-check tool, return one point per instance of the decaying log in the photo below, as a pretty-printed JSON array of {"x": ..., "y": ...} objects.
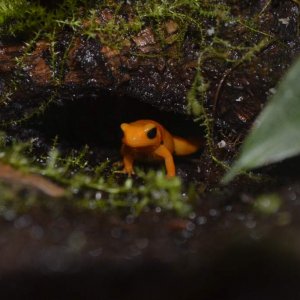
[{"x": 153, "y": 74}]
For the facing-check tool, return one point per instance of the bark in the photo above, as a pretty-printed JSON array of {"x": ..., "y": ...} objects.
[{"x": 144, "y": 70}]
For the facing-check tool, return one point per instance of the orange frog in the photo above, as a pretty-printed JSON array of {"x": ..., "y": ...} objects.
[{"x": 147, "y": 140}]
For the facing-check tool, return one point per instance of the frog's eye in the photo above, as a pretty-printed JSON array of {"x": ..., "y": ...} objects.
[{"x": 151, "y": 134}]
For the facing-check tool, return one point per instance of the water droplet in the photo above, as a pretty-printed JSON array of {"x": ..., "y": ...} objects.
[
  {"x": 192, "y": 216},
  {"x": 268, "y": 203},
  {"x": 130, "y": 219},
  {"x": 284, "y": 218},
  {"x": 96, "y": 252},
  {"x": 250, "y": 224},
  {"x": 201, "y": 220},
  {"x": 228, "y": 208},
  {"x": 284, "y": 21},
  {"x": 116, "y": 232},
  {"x": 211, "y": 31},
  {"x": 222, "y": 144},
  {"x": 98, "y": 195},
  {"x": 157, "y": 209},
  {"x": 37, "y": 232},
  {"x": 239, "y": 99},
  {"x": 213, "y": 212},
  {"x": 22, "y": 222},
  {"x": 292, "y": 196},
  {"x": 142, "y": 243},
  {"x": 9, "y": 215},
  {"x": 190, "y": 226},
  {"x": 76, "y": 241}
]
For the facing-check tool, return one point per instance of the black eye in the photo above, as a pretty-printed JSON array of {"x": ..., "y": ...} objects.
[{"x": 151, "y": 134}]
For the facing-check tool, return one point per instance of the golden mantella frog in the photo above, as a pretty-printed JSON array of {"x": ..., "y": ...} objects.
[{"x": 147, "y": 140}]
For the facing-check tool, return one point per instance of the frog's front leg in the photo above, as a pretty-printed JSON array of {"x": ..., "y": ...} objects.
[
  {"x": 165, "y": 153},
  {"x": 127, "y": 161}
]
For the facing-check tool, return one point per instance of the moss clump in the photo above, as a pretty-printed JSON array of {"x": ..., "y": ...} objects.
[
  {"x": 121, "y": 21},
  {"x": 26, "y": 18},
  {"x": 94, "y": 187}
]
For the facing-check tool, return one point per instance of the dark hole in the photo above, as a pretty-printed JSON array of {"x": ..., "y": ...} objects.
[{"x": 95, "y": 121}]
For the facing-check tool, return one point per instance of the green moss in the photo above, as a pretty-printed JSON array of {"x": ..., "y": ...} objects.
[
  {"x": 25, "y": 18},
  {"x": 17, "y": 16},
  {"x": 201, "y": 19},
  {"x": 124, "y": 21},
  {"x": 95, "y": 187}
]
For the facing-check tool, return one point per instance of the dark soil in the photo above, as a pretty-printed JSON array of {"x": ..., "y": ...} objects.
[{"x": 225, "y": 250}]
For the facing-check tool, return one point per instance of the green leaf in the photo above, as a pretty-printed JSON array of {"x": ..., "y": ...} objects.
[{"x": 275, "y": 134}]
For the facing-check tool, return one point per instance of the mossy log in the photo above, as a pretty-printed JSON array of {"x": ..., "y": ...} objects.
[{"x": 238, "y": 72}]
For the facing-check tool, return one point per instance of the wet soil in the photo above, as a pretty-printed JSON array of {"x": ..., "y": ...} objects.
[{"x": 225, "y": 250}]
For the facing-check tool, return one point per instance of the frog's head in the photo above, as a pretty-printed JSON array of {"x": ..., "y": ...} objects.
[{"x": 141, "y": 134}]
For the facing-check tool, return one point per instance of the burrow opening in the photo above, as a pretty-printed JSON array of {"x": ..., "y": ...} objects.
[
  {"x": 70, "y": 124},
  {"x": 95, "y": 120}
]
